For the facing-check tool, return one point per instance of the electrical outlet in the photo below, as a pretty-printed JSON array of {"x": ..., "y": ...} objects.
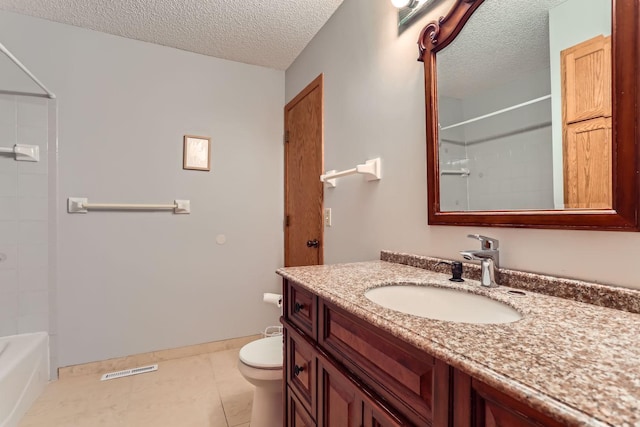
[{"x": 327, "y": 217}]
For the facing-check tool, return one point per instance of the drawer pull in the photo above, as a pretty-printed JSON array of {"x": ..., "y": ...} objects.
[
  {"x": 297, "y": 307},
  {"x": 297, "y": 369}
]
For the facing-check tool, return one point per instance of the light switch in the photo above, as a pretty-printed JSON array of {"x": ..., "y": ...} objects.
[{"x": 327, "y": 217}]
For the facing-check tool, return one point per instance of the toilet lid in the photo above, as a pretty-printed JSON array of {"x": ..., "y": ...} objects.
[{"x": 264, "y": 353}]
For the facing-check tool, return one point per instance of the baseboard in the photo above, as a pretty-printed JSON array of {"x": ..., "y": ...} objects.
[{"x": 127, "y": 362}]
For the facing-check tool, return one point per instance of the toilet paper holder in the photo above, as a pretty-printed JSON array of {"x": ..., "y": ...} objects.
[{"x": 273, "y": 299}]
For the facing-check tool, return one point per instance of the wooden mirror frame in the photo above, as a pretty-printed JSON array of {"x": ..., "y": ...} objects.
[{"x": 625, "y": 132}]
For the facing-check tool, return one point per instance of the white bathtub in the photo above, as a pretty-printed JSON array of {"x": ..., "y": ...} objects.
[{"x": 24, "y": 372}]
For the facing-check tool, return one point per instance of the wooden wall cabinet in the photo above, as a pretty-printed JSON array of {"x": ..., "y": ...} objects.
[
  {"x": 586, "y": 124},
  {"x": 346, "y": 372}
]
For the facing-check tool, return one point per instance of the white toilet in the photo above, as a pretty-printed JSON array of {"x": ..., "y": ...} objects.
[{"x": 261, "y": 364}]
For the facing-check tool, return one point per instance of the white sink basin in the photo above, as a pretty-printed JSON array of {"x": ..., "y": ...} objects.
[{"x": 442, "y": 304}]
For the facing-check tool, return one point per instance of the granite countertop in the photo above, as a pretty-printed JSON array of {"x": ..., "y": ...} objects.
[{"x": 577, "y": 362}]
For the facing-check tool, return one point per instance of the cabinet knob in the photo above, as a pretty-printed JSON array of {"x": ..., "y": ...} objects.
[
  {"x": 297, "y": 369},
  {"x": 297, "y": 307}
]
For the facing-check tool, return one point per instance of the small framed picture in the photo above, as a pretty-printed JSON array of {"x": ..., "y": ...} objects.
[{"x": 196, "y": 153}]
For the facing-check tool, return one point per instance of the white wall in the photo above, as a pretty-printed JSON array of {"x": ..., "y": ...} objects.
[
  {"x": 570, "y": 23},
  {"x": 374, "y": 105},
  {"x": 136, "y": 282}
]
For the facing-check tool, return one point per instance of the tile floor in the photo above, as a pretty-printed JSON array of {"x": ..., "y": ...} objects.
[{"x": 198, "y": 391}]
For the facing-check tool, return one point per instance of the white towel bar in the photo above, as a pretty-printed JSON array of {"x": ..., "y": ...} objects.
[
  {"x": 461, "y": 172},
  {"x": 82, "y": 205},
  {"x": 371, "y": 171},
  {"x": 28, "y": 153}
]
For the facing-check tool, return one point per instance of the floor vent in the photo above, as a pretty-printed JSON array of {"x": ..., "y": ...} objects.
[{"x": 129, "y": 372}]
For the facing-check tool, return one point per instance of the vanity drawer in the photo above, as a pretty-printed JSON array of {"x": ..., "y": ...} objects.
[
  {"x": 398, "y": 372},
  {"x": 301, "y": 308},
  {"x": 301, "y": 368}
]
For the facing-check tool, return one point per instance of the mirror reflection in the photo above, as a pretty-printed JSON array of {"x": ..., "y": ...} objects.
[{"x": 524, "y": 105}]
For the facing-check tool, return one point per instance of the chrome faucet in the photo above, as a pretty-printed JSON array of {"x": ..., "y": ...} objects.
[{"x": 489, "y": 258}]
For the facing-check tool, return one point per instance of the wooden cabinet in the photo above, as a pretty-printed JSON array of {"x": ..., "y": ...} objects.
[
  {"x": 296, "y": 415},
  {"x": 377, "y": 415},
  {"x": 586, "y": 116},
  {"x": 406, "y": 372},
  {"x": 587, "y": 159},
  {"x": 301, "y": 309},
  {"x": 494, "y": 409},
  {"x": 478, "y": 405},
  {"x": 586, "y": 80},
  {"x": 346, "y": 372},
  {"x": 339, "y": 400},
  {"x": 342, "y": 402},
  {"x": 300, "y": 368},
  {"x": 318, "y": 389}
]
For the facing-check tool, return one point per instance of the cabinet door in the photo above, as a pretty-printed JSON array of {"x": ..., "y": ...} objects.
[
  {"x": 587, "y": 165},
  {"x": 297, "y": 415},
  {"x": 475, "y": 404},
  {"x": 339, "y": 400},
  {"x": 494, "y": 409},
  {"x": 586, "y": 125},
  {"x": 586, "y": 80},
  {"x": 375, "y": 415},
  {"x": 396, "y": 371}
]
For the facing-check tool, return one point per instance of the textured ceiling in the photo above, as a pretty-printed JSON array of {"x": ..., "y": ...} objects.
[
  {"x": 501, "y": 41},
  {"x": 270, "y": 33}
]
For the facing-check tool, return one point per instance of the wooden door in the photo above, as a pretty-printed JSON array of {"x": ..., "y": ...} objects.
[
  {"x": 586, "y": 114},
  {"x": 304, "y": 193}
]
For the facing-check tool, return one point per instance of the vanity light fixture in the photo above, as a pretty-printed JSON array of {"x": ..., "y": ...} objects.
[
  {"x": 410, "y": 10},
  {"x": 405, "y": 3}
]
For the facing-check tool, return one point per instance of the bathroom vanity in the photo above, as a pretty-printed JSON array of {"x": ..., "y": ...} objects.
[{"x": 351, "y": 362}]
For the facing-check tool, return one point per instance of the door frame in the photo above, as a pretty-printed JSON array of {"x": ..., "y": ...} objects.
[{"x": 318, "y": 82}]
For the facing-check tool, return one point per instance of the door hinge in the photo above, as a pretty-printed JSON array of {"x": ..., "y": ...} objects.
[
  {"x": 286, "y": 221},
  {"x": 286, "y": 136}
]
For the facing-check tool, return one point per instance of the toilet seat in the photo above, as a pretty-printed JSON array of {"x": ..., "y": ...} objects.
[{"x": 265, "y": 353}]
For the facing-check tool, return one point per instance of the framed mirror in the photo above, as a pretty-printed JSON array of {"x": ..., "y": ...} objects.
[{"x": 531, "y": 113}]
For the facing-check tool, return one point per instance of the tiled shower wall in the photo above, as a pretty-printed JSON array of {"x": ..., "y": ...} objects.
[
  {"x": 27, "y": 290},
  {"x": 509, "y": 155}
]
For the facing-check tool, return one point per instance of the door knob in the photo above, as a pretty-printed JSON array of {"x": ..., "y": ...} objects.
[{"x": 313, "y": 243}]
